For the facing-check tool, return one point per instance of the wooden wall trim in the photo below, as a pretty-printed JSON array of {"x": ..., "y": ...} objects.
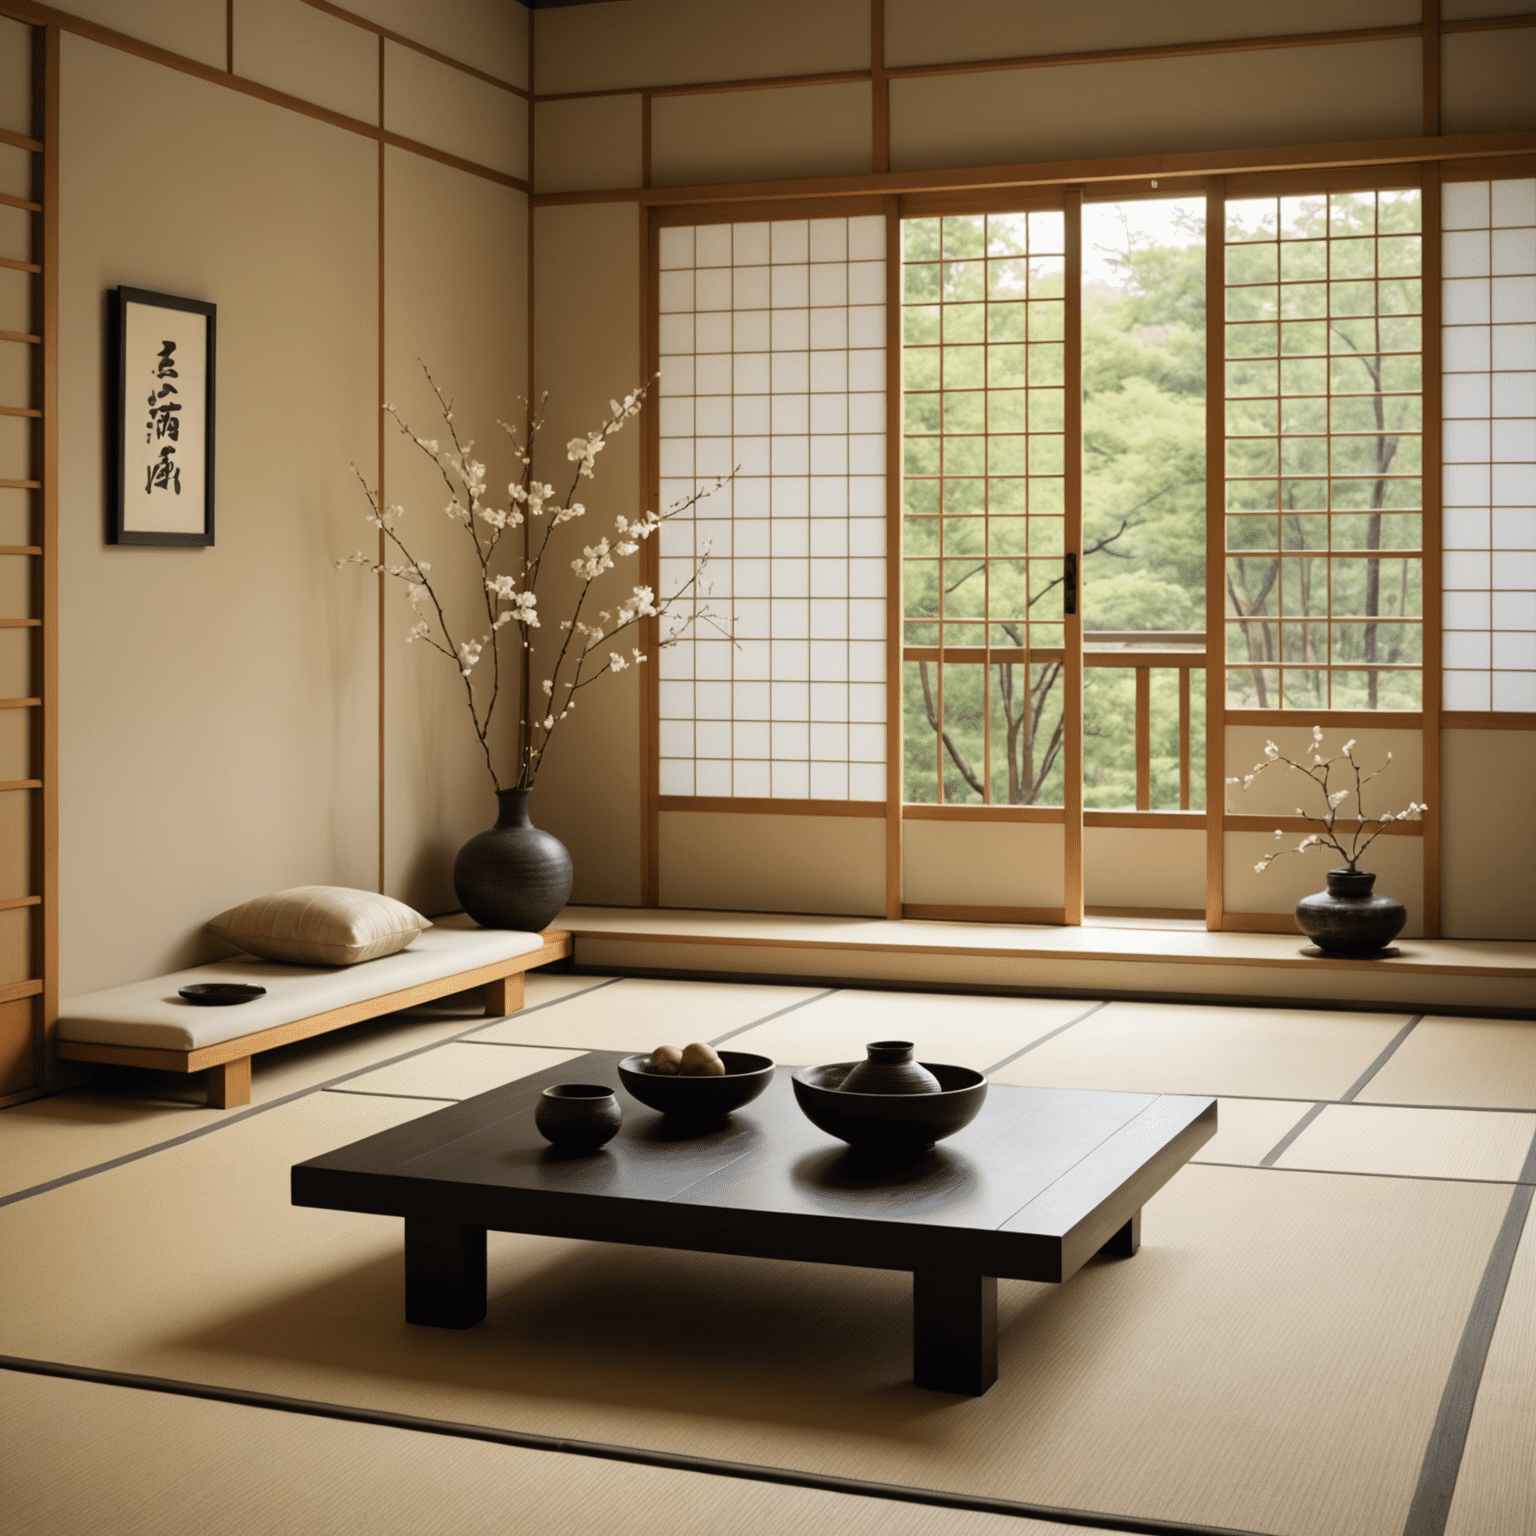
[
  {"x": 1072, "y": 544},
  {"x": 895, "y": 761},
  {"x": 650, "y": 562},
  {"x": 1487, "y": 720},
  {"x": 1432, "y": 572},
  {"x": 432, "y": 53},
  {"x": 38, "y": 15},
  {"x": 1215, "y": 550},
  {"x": 1429, "y": 48},
  {"x": 1055, "y": 173},
  {"x": 728, "y": 805},
  {"x": 46, "y": 568}
]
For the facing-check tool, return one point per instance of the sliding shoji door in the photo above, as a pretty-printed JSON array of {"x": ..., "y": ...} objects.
[
  {"x": 28, "y": 347},
  {"x": 1489, "y": 268},
  {"x": 1321, "y": 517},
  {"x": 770, "y": 342},
  {"x": 991, "y": 541}
]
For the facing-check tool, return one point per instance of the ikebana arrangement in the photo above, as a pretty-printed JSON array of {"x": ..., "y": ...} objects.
[
  {"x": 514, "y": 875},
  {"x": 1347, "y": 918}
]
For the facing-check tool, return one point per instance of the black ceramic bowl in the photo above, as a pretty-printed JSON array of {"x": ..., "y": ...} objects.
[
  {"x": 890, "y": 1122},
  {"x": 578, "y": 1117},
  {"x": 699, "y": 1098},
  {"x": 219, "y": 994}
]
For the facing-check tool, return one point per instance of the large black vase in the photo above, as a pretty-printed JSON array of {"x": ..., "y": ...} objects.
[
  {"x": 1347, "y": 919},
  {"x": 514, "y": 875}
]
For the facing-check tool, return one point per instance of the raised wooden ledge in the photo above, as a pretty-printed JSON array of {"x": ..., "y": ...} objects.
[
  {"x": 229, "y": 1062},
  {"x": 1441, "y": 975}
]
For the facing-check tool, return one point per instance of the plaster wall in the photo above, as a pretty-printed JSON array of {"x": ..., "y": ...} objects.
[{"x": 220, "y": 707}]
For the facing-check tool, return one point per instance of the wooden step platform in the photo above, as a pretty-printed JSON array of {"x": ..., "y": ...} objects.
[{"x": 1097, "y": 960}]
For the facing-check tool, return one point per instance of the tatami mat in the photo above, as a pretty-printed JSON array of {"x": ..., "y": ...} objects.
[
  {"x": 1420, "y": 1143},
  {"x": 123, "y": 1110},
  {"x": 1267, "y": 1362},
  {"x": 969, "y": 1031},
  {"x": 1489, "y": 1062},
  {"x": 639, "y": 1014},
  {"x": 1248, "y": 1129},
  {"x": 1183, "y": 1048},
  {"x": 78, "y": 1459},
  {"x": 1496, "y": 1492},
  {"x": 456, "y": 1071}
]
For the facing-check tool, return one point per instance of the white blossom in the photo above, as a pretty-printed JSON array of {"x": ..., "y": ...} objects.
[
  {"x": 1338, "y": 797},
  {"x": 469, "y": 654},
  {"x": 616, "y": 662}
]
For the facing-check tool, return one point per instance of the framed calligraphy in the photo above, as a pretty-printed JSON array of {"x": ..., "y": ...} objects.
[{"x": 161, "y": 456}]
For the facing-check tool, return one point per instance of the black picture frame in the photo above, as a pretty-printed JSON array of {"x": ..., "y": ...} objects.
[{"x": 161, "y": 419}]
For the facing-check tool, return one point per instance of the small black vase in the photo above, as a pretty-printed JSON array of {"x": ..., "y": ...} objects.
[
  {"x": 514, "y": 875},
  {"x": 1347, "y": 919},
  {"x": 889, "y": 1068}
]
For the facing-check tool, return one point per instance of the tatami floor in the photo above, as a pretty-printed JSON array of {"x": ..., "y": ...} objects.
[{"x": 1330, "y": 1327}]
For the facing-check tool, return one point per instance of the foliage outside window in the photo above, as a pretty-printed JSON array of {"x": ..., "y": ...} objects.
[
  {"x": 983, "y": 365},
  {"x": 984, "y": 362},
  {"x": 1324, "y": 384}
]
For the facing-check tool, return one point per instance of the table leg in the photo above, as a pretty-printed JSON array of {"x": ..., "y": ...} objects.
[
  {"x": 954, "y": 1331},
  {"x": 1126, "y": 1241},
  {"x": 444, "y": 1273}
]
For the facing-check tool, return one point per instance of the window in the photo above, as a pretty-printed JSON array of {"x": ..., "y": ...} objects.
[
  {"x": 772, "y": 355},
  {"x": 1490, "y": 444},
  {"x": 1323, "y": 434},
  {"x": 983, "y": 324}
]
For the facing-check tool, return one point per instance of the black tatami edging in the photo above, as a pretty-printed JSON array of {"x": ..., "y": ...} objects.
[
  {"x": 805, "y": 1002},
  {"x": 1438, "y": 1474},
  {"x": 1060, "y": 1029},
  {"x": 227, "y": 1120},
  {"x": 675, "y": 1461}
]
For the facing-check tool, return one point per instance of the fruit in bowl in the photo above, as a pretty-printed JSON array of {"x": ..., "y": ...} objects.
[{"x": 700, "y": 1095}]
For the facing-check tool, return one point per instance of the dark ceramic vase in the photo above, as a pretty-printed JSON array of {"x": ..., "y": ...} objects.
[
  {"x": 889, "y": 1068},
  {"x": 1347, "y": 919},
  {"x": 578, "y": 1117},
  {"x": 514, "y": 875}
]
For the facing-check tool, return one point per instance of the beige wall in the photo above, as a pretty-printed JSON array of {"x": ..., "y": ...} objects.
[
  {"x": 586, "y": 352},
  {"x": 981, "y": 864},
  {"x": 1489, "y": 847},
  {"x": 827, "y": 864},
  {"x": 219, "y": 707}
]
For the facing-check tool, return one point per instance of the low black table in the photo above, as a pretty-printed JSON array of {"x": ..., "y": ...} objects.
[{"x": 1042, "y": 1180}]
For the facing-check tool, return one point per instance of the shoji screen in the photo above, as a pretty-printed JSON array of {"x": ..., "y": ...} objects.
[
  {"x": 1490, "y": 444},
  {"x": 772, "y": 357}
]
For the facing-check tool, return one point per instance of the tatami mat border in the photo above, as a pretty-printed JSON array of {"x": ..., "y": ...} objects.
[
  {"x": 287, "y": 1098},
  {"x": 805, "y": 1002},
  {"x": 1350, "y": 1094},
  {"x": 1431, "y": 1506},
  {"x": 900, "y": 1493}
]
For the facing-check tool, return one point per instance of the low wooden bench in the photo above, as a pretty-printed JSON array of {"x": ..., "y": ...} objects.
[{"x": 146, "y": 1023}]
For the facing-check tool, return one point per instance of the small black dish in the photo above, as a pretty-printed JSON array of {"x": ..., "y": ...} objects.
[
  {"x": 578, "y": 1117},
  {"x": 890, "y": 1123},
  {"x": 220, "y": 994},
  {"x": 699, "y": 1098}
]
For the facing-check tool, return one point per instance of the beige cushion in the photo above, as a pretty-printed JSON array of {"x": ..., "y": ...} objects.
[{"x": 320, "y": 925}]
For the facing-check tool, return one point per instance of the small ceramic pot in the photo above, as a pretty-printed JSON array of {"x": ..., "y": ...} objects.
[
  {"x": 1347, "y": 919},
  {"x": 889, "y": 1068},
  {"x": 578, "y": 1116}
]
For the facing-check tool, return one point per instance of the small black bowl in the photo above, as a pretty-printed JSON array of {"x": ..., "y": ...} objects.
[
  {"x": 577, "y": 1117},
  {"x": 220, "y": 994},
  {"x": 890, "y": 1122},
  {"x": 699, "y": 1098}
]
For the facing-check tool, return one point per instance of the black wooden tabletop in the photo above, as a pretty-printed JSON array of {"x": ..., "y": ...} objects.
[{"x": 1030, "y": 1189}]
